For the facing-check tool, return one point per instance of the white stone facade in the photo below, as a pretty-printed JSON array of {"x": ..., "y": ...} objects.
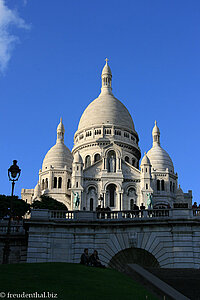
[
  {"x": 172, "y": 237},
  {"x": 103, "y": 167}
]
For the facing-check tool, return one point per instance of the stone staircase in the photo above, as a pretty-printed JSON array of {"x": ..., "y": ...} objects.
[{"x": 186, "y": 281}]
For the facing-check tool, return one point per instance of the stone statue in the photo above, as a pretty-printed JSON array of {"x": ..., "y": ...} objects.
[
  {"x": 149, "y": 201},
  {"x": 76, "y": 200},
  {"x": 112, "y": 163}
]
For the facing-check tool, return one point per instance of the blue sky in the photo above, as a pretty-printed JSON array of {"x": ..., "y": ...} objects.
[{"x": 51, "y": 57}]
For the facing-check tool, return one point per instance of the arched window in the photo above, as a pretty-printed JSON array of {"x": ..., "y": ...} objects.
[
  {"x": 162, "y": 185},
  {"x": 158, "y": 185},
  {"x": 87, "y": 161},
  {"x": 111, "y": 161},
  {"x": 91, "y": 204},
  {"x": 117, "y": 132},
  {"x": 42, "y": 184},
  {"x": 59, "y": 182},
  {"x": 46, "y": 183},
  {"x": 68, "y": 183},
  {"x": 147, "y": 186},
  {"x": 173, "y": 187},
  {"x": 107, "y": 131},
  {"x": 92, "y": 198},
  {"x": 97, "y": 157},
  {"x": 131, "y": 204},
  {"x": 111, "y": 194},
  {"x": 127, "y": 159},
  {"x": 55, "y": 182},
  {"x": 170, "y": 186}
]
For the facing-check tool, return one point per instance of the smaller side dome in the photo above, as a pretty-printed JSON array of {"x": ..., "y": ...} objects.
[
  {"x": 159, "y": 158},
  {"x": 59, "y": 155},
  {"x": 145, "y": 160},
  {"x": 77, "y": 158},
  {"x": 37, "y": 190}
]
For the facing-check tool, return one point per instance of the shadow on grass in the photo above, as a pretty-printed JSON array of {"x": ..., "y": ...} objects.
[{"x": 70, "y": 281}]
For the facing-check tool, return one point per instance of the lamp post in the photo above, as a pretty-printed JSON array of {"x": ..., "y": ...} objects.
[{"x": 13, "y": 175}]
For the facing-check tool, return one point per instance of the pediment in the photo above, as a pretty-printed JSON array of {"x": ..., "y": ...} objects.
[
  {"x": 93, "y": 170},
  {"x": 130, "y": 171}
]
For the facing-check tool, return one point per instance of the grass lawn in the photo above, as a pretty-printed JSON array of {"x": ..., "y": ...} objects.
[{"x": 69, "y": 281}]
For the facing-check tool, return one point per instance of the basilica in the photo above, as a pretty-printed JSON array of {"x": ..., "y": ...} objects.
[{"x": 104, "y": 169}]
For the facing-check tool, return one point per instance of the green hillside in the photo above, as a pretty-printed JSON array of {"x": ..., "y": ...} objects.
[{"x": 69, "y": 281}]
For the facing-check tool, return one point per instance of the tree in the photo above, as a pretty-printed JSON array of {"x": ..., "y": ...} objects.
[
  {"x": 48, "y": 202},
  {"x": 19, "y": 207}
]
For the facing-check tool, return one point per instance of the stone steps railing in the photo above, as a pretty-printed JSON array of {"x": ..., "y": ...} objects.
[
  {"x": 15, "y": 228},
  {"x": 45, "y": 214}
]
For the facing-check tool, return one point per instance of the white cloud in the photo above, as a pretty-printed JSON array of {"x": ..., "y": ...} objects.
[{"x": 8, "y": 18}]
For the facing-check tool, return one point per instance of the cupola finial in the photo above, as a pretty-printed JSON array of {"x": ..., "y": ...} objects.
[
  {"x": 60, "y": 132},
  {"x": 156, "y": 135},
  {"x": 106, "y": 78}
]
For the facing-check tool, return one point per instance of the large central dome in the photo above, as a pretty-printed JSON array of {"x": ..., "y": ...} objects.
[{"x": 106, "y": 109}]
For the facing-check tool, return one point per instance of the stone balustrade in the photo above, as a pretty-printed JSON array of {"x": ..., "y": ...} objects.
[
  {"x": 45, "y": 214},
  {"x": 15, "y": 228}
]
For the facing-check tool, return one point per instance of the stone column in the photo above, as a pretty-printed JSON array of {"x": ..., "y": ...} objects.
[
  {"x": 120, "y": 202},
  {"x": 104, "y": 163},
  {"x": 104, "y": 199},
  {"x": 50, "y": 179}
]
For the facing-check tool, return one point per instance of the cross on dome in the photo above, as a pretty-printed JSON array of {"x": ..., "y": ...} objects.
[{"x": 106, "y": 78}]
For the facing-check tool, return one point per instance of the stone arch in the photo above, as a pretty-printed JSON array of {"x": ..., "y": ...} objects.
[
  {"x": 87, "y": 161},
  {"x": 111, "y": 195},
  {"x": 91, "y": 194},
  {"x": 131, "y": 197},
  {"x": 119, "y": 188},
  {"x": 127, "y": 159},
  {"x": 97, "y": 157},
  {"x": 115, "y": 149},
  {"x": 117, "y": 192},
  {"x": 111, "y": 161},
  {"x": 133, "y": 255},
  {"x": 94, "y": 185},
  {"x": 129, "y": 188}
]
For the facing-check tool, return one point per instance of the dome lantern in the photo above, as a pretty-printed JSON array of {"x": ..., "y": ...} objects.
[
  {"x": 145, "y": 160},
  {"x": 60, "y": 132},
  {"x": 156, "y": 135},
  {"x": 106, "y": 76}
]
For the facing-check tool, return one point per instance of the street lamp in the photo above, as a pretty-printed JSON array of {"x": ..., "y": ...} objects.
[{"x": 13, "y": 175}]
